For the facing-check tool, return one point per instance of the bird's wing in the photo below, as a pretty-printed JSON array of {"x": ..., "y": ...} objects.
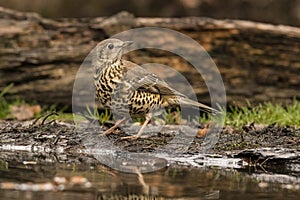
[{"x": 141, "y": 79}]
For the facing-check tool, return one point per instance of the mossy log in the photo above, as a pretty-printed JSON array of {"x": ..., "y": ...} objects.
[{"x": 258, "y": 62}]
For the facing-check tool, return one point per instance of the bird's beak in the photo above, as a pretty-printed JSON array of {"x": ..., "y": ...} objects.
[{"x": 127, "y": 43}]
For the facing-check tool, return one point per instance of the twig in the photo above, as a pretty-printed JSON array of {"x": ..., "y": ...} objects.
[{"x": 45, "y": 117}]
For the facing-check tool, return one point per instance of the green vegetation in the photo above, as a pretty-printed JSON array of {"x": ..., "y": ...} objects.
[
  {"x": 102, "y": 117},
  {"x": 266, "y": 113},
  {"x": 236, "y": 117},
  {"x": 5, "y": 105},
  {"x": 172, "y": 117},
  {"x": 60, "y": 114}
]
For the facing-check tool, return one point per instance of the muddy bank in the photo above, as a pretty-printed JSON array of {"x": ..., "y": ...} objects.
[{"x": 63, "y": 142}]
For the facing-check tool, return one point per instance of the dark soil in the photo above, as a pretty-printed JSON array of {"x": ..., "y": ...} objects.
[{"x": 59, "y": 138}]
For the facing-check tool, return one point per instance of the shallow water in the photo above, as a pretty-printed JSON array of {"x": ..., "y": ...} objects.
[{"x": 95, "y": 181}]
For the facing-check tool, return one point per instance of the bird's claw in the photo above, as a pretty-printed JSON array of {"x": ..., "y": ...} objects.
[
  {"x": 132, "y": 137},
  {"x": 104, "y": 133},
  {"x": 108, "y": 132}
]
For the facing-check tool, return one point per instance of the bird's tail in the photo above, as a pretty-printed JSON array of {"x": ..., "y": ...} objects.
[{"x": 202, "y": 107}]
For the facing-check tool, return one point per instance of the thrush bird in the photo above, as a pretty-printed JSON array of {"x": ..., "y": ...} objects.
[{"x": 130, "y": 90}]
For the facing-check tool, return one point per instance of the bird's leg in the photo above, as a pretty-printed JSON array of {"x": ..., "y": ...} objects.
[
  {"x": 134, "y": 137},
  {"x": 111, "y": 129}
]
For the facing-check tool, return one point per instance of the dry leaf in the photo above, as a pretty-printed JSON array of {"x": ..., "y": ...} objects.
[
  {"x": 202, "y": 132},
  {"x": 24, "y": 111}
]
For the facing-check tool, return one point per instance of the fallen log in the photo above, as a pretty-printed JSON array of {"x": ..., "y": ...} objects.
[{"x": 258, "y": 62}]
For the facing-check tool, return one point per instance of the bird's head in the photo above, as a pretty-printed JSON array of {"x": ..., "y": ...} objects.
[{"x": 111, "y": 50}]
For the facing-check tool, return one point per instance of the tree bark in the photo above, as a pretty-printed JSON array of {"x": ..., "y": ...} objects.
[{"x": 258, "y": 62}]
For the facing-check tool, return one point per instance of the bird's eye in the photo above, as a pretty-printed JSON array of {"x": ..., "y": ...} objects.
[{"x": 110, "y": 46}]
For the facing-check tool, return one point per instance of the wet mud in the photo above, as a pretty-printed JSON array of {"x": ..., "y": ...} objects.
[
  {"x": 68, "y": 143},
  {"x": 53, "y": 156}
]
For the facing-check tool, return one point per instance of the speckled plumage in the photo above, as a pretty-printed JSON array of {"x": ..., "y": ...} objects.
[{"x": 127, "y": 88}]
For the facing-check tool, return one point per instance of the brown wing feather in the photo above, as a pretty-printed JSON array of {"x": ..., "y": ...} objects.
[{"x": 141, "y": 79}]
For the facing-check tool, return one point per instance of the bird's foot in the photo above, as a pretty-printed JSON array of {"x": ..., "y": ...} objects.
[
  {"x": 105, "y": 133},
  {"x": 113, "y": 128},
  {"x": 131, "y": 137},
  {"x": 108, "y": 131}
]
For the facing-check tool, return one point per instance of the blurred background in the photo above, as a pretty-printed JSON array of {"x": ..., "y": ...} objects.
[
  {"x": 271, "y": 11},
  {"x": 41, "y": 57}
]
